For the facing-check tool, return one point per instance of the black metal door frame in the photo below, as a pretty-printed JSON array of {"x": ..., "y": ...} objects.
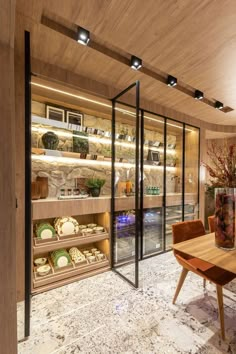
[
  {"x": 137, "y": 184},
  {"x": 28, "y": 240}
]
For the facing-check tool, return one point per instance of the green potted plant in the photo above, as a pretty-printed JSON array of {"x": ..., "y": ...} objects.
[{"x": 95, "y": 185}]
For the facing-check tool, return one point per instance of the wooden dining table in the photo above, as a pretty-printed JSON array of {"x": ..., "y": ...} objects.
[{"x": 204, "y": 248}]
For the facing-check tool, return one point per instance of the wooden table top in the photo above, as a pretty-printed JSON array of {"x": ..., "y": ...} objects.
[{"x": 204, "y": 248}]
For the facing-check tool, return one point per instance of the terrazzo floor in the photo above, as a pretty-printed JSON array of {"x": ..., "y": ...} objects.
[{"x": 104, "y": 314}]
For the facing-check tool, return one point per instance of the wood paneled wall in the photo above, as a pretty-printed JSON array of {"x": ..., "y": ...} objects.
[
  {"x": 20, "y": 157},
  {"x": 8, "y": 333}
]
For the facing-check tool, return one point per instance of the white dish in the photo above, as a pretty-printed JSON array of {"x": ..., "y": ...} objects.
[
  {"x": 87, "y": 231},
  {"x": 66, "y": 226},
  {"x": 91, "y": 226},
  {"x": 43, "y": 270},
  {"x": 40, "y": 261},
  {"x": 98, "y": 229}
]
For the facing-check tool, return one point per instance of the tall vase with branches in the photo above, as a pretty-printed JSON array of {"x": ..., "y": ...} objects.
[{"x": 222, "y": 172}]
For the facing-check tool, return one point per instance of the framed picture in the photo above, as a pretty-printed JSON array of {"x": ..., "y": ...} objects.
[
  {"x": 74, "y": 118},
  {"x": 153, "y": 156},
  {"x": 80, "y": 142},
  {"x": 55, "y": 113}
]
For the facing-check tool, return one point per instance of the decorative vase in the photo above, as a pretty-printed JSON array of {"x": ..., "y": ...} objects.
[
  {"x": 225, "y": 218},
  {"x": 50, "y": 141},
  {"x": 95, "y": 192},
  {"x": 43, "y": 182}
]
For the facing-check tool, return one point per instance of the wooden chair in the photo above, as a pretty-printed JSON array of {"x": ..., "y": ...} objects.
[
  {"x": 211, "y": 223},
  {"x": 186, "y": 230}
]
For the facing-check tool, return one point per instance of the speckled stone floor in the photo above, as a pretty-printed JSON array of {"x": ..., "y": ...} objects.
[{"x": 104, "y": 314}]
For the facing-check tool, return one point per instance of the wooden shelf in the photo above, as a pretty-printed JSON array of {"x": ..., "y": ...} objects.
[
  {"x": 49, "y": 246},
  {"x": 52, "y": 207},
  {"x": 67, "y": 276}
]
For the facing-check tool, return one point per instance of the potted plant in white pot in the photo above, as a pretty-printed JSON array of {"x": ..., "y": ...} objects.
[{"x": 95, "y": 185}]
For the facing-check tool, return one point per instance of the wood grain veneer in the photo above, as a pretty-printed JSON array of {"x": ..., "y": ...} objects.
[
  {"x": 8, "y": 318},
  {"x": 51, "y": 208},
  {"x": 204, "y": 248}
]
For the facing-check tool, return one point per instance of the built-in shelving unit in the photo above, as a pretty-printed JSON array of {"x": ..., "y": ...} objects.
[
  {"x": 85, "y": 210},
  {"x": 170, "y": 162},
  {"x": 76, "y": 240}
]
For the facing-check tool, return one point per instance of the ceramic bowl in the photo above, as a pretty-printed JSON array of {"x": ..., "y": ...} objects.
[
  {"x": 82, "y": 227},
  {"x": 40, "y": 261},
  {"x": 87, "y": 231},
  {"x": 91, "y": 226},
  {"x": 98, "y": 229},
  {"x": 43, "y": 270}
]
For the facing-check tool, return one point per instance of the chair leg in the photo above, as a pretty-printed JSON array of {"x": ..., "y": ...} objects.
[
  {"x": 219, "y": 292},
  {"x": 204, "y": 283},
  {"x": 180, "y": 283}
]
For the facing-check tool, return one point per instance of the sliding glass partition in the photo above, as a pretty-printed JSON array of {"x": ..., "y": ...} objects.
[
  {"x": 153, "y": 173},
  {"x": 167, "y": 170},
  {"x": 126, "y": 182},
  {"x": 191, "y": 173},
  {"x": 173, "y": 177}
]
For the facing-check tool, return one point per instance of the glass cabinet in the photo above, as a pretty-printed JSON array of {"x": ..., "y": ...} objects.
[{"x": 169, "y": 168}]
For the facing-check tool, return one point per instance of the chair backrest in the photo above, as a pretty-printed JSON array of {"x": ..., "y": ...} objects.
[
  {"x": 211, "y": 223},
  {"x": 187, "y": 230}
]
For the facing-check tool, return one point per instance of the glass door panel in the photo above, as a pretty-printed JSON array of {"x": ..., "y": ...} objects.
[
  {"x": 126, "y": 184},
  {"x": 174, "y": 176},
  {"x": 153, "y": 172},
  {"x": 191, "y": 173}
]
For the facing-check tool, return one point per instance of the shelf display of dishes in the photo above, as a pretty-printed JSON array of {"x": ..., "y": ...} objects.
[
  {"x": 64, "y": 261},
  {"x": 66, "y": 226}
]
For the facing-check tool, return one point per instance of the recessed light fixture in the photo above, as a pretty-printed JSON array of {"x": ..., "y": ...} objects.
[
  {"x": 135, "y": 62},
  {"x": 83, "y": 36},
  {"x": 219, "y": 105},
  {"x": 198, "y": 95},
  {"x": 171, "y": 81}
]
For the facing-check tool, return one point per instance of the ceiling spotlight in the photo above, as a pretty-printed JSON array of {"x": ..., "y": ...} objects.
[
  {"x": 198, "y": 95},
  {"x": 83, "y": 36},
  {"x": 135, "y": 63},
  {"x": 219, "y": 105},
  {"x": 171, "y": 81}
]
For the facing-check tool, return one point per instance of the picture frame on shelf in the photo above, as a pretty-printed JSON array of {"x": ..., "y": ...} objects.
[
  {"x": 80, "y": 142},
  {"x": 74, "y": 117},
  {"x": 55, "y": 113},
  {"x": 154, "y": 156}
]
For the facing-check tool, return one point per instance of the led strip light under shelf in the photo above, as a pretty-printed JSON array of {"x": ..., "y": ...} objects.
[{"x": 84, "y": 162}]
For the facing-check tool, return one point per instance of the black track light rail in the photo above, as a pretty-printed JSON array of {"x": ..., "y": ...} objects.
[{"x": 125, "y": 58}]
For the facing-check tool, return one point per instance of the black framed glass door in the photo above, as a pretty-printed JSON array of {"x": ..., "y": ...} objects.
[
  {"x": 152, "y": 127},
  {"x": 126, "y": 182}
]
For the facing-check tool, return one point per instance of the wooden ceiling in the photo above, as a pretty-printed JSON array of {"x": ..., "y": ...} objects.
[{"x": 194, "y": 41}]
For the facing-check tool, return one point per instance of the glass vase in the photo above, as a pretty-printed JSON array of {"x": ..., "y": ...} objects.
[{"x": 225, "y": 218}]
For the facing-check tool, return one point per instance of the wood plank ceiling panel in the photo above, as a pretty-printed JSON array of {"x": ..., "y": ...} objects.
[{"x": 194, "y": 41}]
